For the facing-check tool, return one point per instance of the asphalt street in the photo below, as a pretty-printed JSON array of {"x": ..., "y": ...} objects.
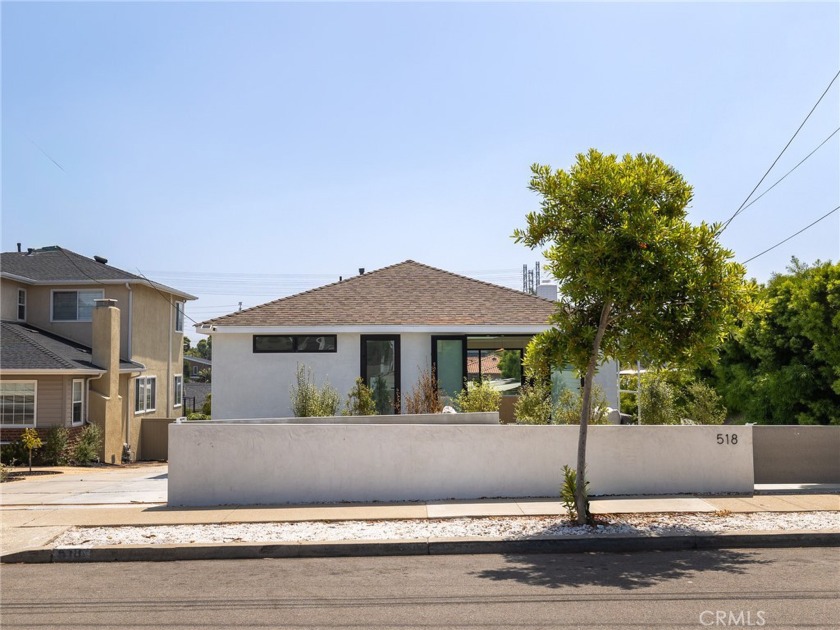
[{"x": 774, "y": 588}]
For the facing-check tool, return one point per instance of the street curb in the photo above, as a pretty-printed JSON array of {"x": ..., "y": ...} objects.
[{"x": 423, "y": 547}]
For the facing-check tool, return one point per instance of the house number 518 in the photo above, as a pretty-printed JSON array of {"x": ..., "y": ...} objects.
[{"x": 727, "y": 438}]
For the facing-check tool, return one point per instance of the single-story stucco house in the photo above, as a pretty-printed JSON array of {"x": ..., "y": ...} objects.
[{"x": 387, "y": 327}]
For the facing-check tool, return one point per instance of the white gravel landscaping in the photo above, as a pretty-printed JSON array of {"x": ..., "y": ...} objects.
[{"x": 510, "y": 528}]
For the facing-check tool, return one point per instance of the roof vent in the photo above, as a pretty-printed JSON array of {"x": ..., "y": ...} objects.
[
  {"x": 100, "y": 259},
  {"x": 361, "y": 271}
]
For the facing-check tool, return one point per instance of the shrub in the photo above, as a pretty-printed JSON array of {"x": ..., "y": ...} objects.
[
  {"x": 4, "y": 472},
  {"x": 87, "y": 448},
  {"x": 703, "y": 405},
  {"x": 360, "y": 401},
  {"x": 534, "y": 404},
  {"x": 657, "y": 400},
  {"x": 206, "y": 407},
  {"x": 478, "y": 396},
  {"x": 55, "y": 446},
  {"x": 568, "y": 492},
  {"x": 424, "y": 396},
  {"x": 198, "y": 416},
  {"x": 567, "y": 409},
  {"x": 13, "y": 452},
  {"x": 310, "y": 401}
]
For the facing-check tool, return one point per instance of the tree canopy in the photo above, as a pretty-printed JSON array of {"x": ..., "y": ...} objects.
[
  {"x": 636, "y": 280},
  {"x": 783, "y": 364}
]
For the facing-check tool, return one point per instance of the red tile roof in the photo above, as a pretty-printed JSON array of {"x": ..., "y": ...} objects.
[{"x": 405, "y": 294}]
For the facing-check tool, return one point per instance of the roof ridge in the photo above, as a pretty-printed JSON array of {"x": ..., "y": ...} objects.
[
  {"x": 484, "y": 282},
  {"x": 308, "y": 291},
  {"x": 16, "y": 328}
]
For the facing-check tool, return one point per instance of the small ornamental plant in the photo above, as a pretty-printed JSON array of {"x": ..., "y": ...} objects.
[
  {"x": 360, "y": 400},
  {"x": 31, "y": 441},
  {"x": 478, "y": 396}
]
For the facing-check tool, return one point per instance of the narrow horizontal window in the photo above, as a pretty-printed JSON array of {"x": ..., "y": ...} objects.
[{"x": 295, "y": 343}]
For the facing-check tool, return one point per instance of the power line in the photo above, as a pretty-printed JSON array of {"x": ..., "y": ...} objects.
[
  {"x": 779, "y": 181},
  {"x": 792, "y": 235},
  {"x": 741, "y": 207}
]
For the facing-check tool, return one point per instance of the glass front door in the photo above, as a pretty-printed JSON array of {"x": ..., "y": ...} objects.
[{"x": 381, "y": 370}]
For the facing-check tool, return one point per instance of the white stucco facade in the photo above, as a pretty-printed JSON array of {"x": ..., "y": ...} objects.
[{"x": 259, "y": 385}]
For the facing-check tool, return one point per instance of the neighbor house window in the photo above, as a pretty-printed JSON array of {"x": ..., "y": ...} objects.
[
  {"x": 74, "y": 306},
  {"x": 294, "y": 343},
  {"x": 17, "y": 403},
  {"x": 78, "y": 401},
  {"x": 179, "y": 390},
  {"x": 145, "y": 390},
  {"x": 179, "y": 317},
  {"x": 21, "y": 305}
]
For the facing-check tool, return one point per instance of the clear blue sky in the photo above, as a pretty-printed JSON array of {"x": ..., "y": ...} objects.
[{"x": 243, "y": 152}]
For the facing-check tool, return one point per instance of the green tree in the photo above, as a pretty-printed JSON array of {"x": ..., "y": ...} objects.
[
  {"x": 783, "y": 364},
  {"x": 31, "y": 441},
  {"x": 636, "y": 279},
  {"x": 510, "y": 364}
]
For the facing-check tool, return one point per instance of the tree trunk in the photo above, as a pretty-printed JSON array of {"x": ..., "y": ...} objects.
[
  {"x": 30, "y": 460},
  {"x": 586, "y": 401}
]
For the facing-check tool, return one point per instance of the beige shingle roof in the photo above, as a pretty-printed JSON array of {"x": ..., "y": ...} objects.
[{"x": 405, "y": 294}]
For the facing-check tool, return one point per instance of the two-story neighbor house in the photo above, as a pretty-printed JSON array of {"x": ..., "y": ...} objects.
[{"x": 86, "y": 342}]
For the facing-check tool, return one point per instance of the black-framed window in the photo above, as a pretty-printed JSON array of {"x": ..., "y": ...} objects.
[{"x": 295, "y": 343}]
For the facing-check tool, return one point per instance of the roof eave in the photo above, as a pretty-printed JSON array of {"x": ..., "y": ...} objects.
[
  {"x": 510, "y": 329},
  {"x": 88, "y": 281}
]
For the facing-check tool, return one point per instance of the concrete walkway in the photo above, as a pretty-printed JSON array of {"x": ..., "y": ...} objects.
[{"x": 37, "y": 509}]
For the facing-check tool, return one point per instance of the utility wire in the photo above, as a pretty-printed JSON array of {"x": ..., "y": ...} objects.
[
  {"x": 741, "y": 207},
  {"x": 779, "y": 181},
  {"x": 792, "y": 235}
]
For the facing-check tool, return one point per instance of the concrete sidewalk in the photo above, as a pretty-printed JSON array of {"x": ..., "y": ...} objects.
[{"x": 38, "y": 509}]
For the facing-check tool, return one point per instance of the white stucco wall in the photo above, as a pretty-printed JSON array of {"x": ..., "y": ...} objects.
[
  {"x": 221, "y": 463},
  {"x": 249, "y": 385}
]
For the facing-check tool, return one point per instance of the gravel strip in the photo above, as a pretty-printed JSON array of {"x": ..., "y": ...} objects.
[{"x": 509, "y": 528}]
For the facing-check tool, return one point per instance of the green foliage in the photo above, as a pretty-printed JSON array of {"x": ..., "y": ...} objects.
[
  {"x": 534, "y": 404},
  {"x": 207, "y": 406},
  {"x": 568, "y": 491},
  {"x": 635, "y": 278},
  {"x": 510, "y": 364},
  {"x": 360, "y": 401},
  {"x": 783, "y": 364},
  {"x": 617, "y": 235},
  {"x": 425, "y": 395},
  {"x": 657, "y": 400},
  {"x": 310, "y": 401},
  {"x": 89, "y": 445},
  {"x": 31, "y": 441},
  {"x": 478, "y": 396},
  {"x": 203, "y": 349},
  {"x": 703, "y": 405},
  {"x": 4, "y": 472},
  {"x": 198, "y": 416},
  {"x": 567, "y": 409},
  {"x": 204, "y": 376},
  {"x": 55, "y": 446},
  {"x": 13, "y": 452}
]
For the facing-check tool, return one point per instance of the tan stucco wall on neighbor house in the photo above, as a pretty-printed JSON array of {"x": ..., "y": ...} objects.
[
  {"x": 157, "y": 346},
  {"x": 39, "y": 312},
  {"x": 9, "y": 299}
]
